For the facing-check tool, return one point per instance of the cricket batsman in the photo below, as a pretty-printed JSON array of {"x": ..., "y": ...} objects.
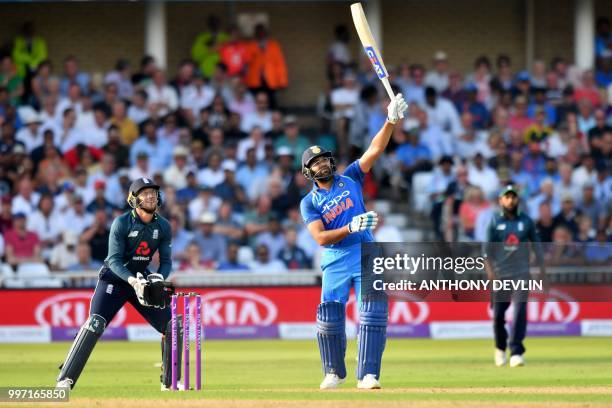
[
  {"x": 507, "y": 258},
  {"x": 124, "y": 277},
  {"x": 335, "y": 215}
]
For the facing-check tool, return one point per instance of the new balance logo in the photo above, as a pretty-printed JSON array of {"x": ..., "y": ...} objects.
[{"x": 133, "y": 234}]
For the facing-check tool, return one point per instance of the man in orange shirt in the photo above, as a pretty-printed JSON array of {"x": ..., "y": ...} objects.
[
  {"x": 267, "y": 70},
  {"x": 234, "y": 53}
]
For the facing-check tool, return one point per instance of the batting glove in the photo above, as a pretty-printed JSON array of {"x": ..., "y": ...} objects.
[
  {"x": 396, "y": 109},
  {"x": 139, "y": 283},
  {"x": 363, "y": 222}
]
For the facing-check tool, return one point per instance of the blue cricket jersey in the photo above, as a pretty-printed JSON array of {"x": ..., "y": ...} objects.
[{"x": 337, "y": 207}]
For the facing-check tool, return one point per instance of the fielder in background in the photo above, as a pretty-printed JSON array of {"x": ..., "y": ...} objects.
[
  {"x": 134, "y": 238},
  {"x": 509, "y": 235},
  {"x": 335, "y": 215}
]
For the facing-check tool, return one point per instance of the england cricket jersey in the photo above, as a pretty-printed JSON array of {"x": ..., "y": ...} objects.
[{"x": 337, "y": 207}]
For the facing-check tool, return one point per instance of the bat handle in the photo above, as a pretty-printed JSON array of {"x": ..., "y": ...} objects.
[{"x": 387, "y": 86}]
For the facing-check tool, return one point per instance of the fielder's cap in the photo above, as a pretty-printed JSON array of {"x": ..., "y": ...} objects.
[
  {"x": 180, "y": 151},
  {"x": 523, "y": 76},
  {"x": 290, "y": 120},
  {"x": 510, "y": 188},
  {"x": 284, "y": 151},
  {"x": 440, "y": 56},
  {"x": 229, "y": 165},
  {"x": 312, "y": 153},
  {"x": 208, "y": 218},
  {"x": 142, "y": 183}
]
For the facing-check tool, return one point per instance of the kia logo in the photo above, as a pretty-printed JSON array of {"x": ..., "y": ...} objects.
[
  {"x": 399, "y": 312},
  {"x": 557, "y": 307},
  {"x": 69, "y": 309},
  {"x": 237, "y": 307}
]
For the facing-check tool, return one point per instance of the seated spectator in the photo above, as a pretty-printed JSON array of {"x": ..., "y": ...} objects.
[
  {"x": 194, "y": 98},
  {"x": 292, "y": 255},
  {"x": 255, "y": 140},
  {"x": 121, "y": 77},
  {"x": 242, "y": 102},
  {"x": 30, "y": 134},
  {"x": 586, "y": 232},
  {"x": 385, "y": 232},
  {"x": 456, "y": 92},
  {"x": 139, "y": 111},
  {"x": 73, "y": 76},
  {"x": 261, "y": 117},
  {"x": 473, "y": 203},
  {"x": 176, "y": 175},
  {"x": 293, "y": 140},
  {"x": 585, "y": 117},
  {"x": 26, "y": 199},
  {"x": 544, "y": 222},
  {"x": 481, "y": 175},
  {"x": 470, "y": 140},
  {"x": 546, "y": 195},
  {"x": 63, "y": 254},
  {"x": 568, "y": 215},
  {"x": 99, "y": 201},
  {"x": 228, "y": 224},
  {"x": 84, "y": 262},
  {"x": 592, "y": 208},
  {"x": 588, "y": 89},
  {"x": 162, "y": 98},
  {"x": 438, "y": 77},
  {"x": 586, "y": 173},
  {"x": 213, "y": 246},
  {"x": 256, "y": 220},
  {"x": 80, "y": 219},
  {"x": 541, "y": 104},
  {"x": 519, "y": 120},
  {"x": 159, "y": 150},
  {"x": 563, "y": 252},
  {"x": 599, "y": 252},
  {"x": 127, "y": 127},
  {"x": 251, "y": 175},
  {"x": 264, "y": 263},
  {"x": 230, "y": 190},
  {"x": 441, "y": 112},
  {"x": 194, "y": 261},
  {"x": 97, "y": 236},
  {"x": 213, "y": 174},
  {"x": 413, "y": 156},
  {"x": 273, "y": 238},
  {"x": 479, "y": 114},
  {"x": 6, "y": 214},
  {"x": 47, "y": 224},
  {"x": 22, "y": 246},
  {"x": 231, "y": 264},
  {"x": 438, "y": 141},
  {"x": 180, "y": 237},
  {"x": 204, "y": 202}
]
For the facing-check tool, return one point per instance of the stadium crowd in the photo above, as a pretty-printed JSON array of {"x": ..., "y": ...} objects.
[{"x": 228, "y": 155}]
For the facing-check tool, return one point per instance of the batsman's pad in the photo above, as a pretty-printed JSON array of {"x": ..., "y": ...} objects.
[
  {"x": 373, "y": 316},
  {"x": 332, "y": 337},
  {"x": 81, "y": 348},
  {"x": 166, "y": 375},
  {"x": 158, "y": 292}
]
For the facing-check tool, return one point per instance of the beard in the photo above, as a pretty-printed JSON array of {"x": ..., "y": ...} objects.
[
  {"x": 511, "y": 210},
  {"x": 149, "y": 208},
  {"x": 324, "y": 175}
]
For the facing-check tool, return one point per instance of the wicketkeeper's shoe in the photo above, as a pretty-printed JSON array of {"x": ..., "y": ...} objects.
[
  {"x": 517, "y": 360},
  {"x": 369, "y": 382},
  {"x": 500, "y": 357},
  {"x": 331, "y": 381},
  {"x": 179, "y": 385},
  {"x": 65, "y": 383}
]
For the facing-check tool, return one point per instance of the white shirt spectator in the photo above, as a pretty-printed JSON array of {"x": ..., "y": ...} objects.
[
  {"x": 211, "y": 178},
  {"x": 345, "y": 96},
  {"x": 437, "y": 140},
  {"x": 95, "y": 135},
  {"x": 243, "y": 107},
  {"x": 485, "y": 178},
  {"x": 66, "y": 139},
  {"x": 77, "y": 222},
  {"x": 114, "y": 192},
  {"x": 437, "y": 80},
  {"x": 165, "y": 94},
  {"x": 21, "y": 204},
  {"x": 138, "y": 115},
  {"x": 64, "y": 104},
  {"x": 177, "y": 178},
  {"x": 275, "y": 243},
  {"x": 198, "y": 206},
  {"x": 245, "y": 144},
  {"x": 61, "y": 257},
  {"x": 468, "y": 149},
  {"x": 555, "y": 146},
  {"x": 444, "y": 114},
  {"x": 581, "y": 176},
  {"x": 195, "y": 99},
  {"x": 46, "y": 228},
  {"x": 339, "y": 52},
  {"x": 263, "y": 121},
  {"x": 31, "y": 141}
]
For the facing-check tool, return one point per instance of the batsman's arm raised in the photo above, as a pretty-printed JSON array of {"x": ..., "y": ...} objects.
[{"x": 395, "y": 112}]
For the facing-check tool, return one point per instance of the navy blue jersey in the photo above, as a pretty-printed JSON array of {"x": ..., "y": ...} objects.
[
  {"x": 132, "y": 243},
  {"x": 510, "y": 238},
  {"x": 337, "y": 207}
]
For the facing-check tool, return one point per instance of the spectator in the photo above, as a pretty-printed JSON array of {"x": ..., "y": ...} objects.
[
  {"x": 338, "y": 51},
  {"x": 139, "y": 111},
  {"x": 256, "y": 220},
  {"x": 162, "y": 98},
  {"x": 184, "y": 76},
  {"x": 232, "y": 263},
  {"x": 255, "y": 141},
  {"x": 242, "y": 102},
  {"x": 568, "y": 215},
  {"x": 114, "y": 148},
  {"x": 79, "y": 219},
  {"x": 205, "y": 202},
  {"x": 504, "y": 78},
  {"x": 206, "y": 45},
  {"x": 585, "y": 117},
  {"x": 563, "y": 252},
  {"x": 541, "y": 104},
  {"x": 414, "y": 90},
  {"x": 438, "y": 77},
  {"x": 127, "y": 128},
  {"x": 230, "y": 190},
  {"x": 520, "y": 121},
  {"x": 194, "y": 261},
  {"x": 99, "y": 201},
  {"x": 481, "y": 175},
  {"x": 10, "y": 80},
  {"x": 262, "y": 117},
  {"x": 29, "y": 50},
  {"x": 470, "y": 140},
  {"x": 456, "y": 92},
  {"x": 586, "y": 173},
  {"x": 213, "y": 174},
  {"x": 481, "y": 77},
  {"x": 267, "y": 70},
  {"x": 442, "y": 112},
  {"x": 176, "y": 175},
  {"x": 588, "y": 89},
  {"x": 264, "y": 264},
  {"x": 194, "y": 98},
  {"x": 84, "y": 261},
  {"x": 97, "y": 134},
  {"x": 473, "y": 203},
  {"x": 228, "y": 224},
  {"x": 599, "y": 252},
  {"x": 213, "y": 246},
  {"x": 26, "y": 199},
  {"x": 64, "y": 254},
  {"x": 251, "y": 174},
  {"x": 97, "y": 236},
  {"x": 180, "y": 237},
  {"x": 234, "y": 53},
  {"x": 29, "y": 134},
  {"x": 385, "y": 232},
  {"x": 545, "y": 225},
  {"x": 121, "y": 77},
  {"x": 293, "y": 140},
  {"x": 158, "y": 150},
  {"x": 546, "y": 195},
  {"x": 589, "y": 207},
  {"x": 293, "y": 256},
  {"x": 413, "y": 156},
  {"x": 73, "y": 76},
  {"x": 22, "y": 246},
  {"x": 438, "y": 141},
  {"x": 273, "y": 238}
]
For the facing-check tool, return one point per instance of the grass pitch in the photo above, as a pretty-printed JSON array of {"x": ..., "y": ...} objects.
[{"x": 416, "y": 372}]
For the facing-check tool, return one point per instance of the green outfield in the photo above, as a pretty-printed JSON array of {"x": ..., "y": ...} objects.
[{"x": 559, "y": 372}]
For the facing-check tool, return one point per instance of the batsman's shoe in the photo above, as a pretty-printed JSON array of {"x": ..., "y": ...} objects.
[
  {"x": 180, "y": 386},
  {"x": 500, "y": 357},
  {"x": 331, "y": 381},
  {"x": 369, "y": 382},
  {"x": 517, "y": 360},
  {"x": 65, "y": 383}
]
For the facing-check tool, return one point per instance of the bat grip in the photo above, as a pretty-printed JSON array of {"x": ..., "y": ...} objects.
[{"x": 387, "y": 86}]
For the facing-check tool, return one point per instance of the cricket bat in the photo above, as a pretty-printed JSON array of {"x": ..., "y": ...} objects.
[{"x": 370, "y": 47}]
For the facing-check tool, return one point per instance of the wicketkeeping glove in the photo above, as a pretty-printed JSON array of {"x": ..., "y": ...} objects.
[
  {"x": 363, "y": 222},
  {"x": 158, "y": 292},
  {"x": 396, "y": 109},
  {"x": 139, "y": 283}
]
